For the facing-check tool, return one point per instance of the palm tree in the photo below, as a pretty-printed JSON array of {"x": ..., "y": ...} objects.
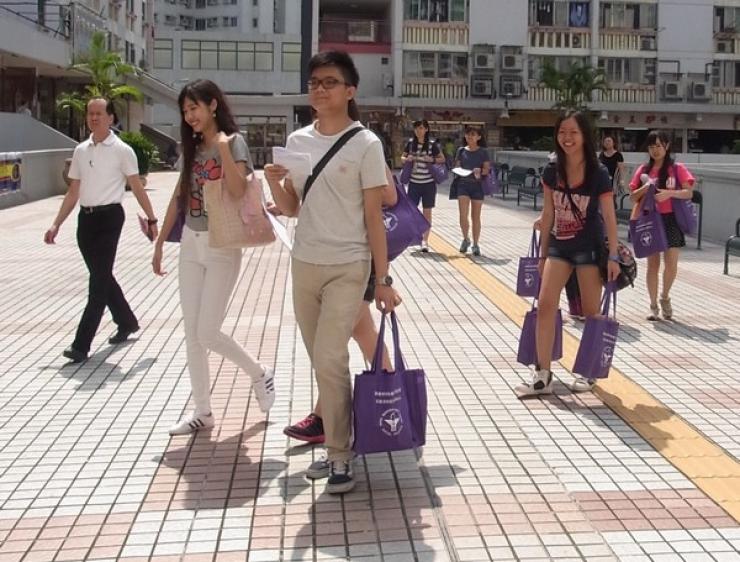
[
  {"x": 575, "y": 87},
  {"x": 106, "y": 69}
]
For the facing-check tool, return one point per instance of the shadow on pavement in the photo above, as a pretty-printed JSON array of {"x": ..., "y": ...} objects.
[
  {"x": 383, "y": 518},
  {"x": 219, "y": 474},
  {"x": 709, "y": 335},
  {"x": 96, "y": 372}
]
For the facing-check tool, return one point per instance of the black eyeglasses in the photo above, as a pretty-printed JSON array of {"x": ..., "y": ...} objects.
[{"x": 326, "y": 83}]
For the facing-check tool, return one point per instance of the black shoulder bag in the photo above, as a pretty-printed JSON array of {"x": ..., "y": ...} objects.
[{"x": 341, "y": 141}]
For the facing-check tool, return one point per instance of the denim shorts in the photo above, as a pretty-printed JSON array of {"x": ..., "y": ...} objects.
[
  {"x": 574, "y": 256},
  {"x": 472, "y": 189}
]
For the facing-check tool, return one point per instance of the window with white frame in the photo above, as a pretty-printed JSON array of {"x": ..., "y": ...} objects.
[
  {"x": 431, "y": 65},
  {"x": 559, "y": 13},
  {"x": 628, "y": 70},
  {"x": 163, "y": 53},
  {"x": 628, "y": 15},
  {"x": 726, "y": 19},
  {"x": 536, "y": 65},
  {"x": 291, "y": 57},
  {"x": 436, "y": 10}
]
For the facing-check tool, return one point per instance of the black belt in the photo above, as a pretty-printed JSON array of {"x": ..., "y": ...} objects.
[{"x": 98, "y": 208}]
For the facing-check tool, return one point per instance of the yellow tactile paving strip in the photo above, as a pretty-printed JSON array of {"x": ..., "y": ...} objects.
[{"x": 712, "y": 469}]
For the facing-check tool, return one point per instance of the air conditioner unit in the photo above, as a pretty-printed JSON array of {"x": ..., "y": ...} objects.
[
  {"x": 647, "y": 43},
  {"x": 481, "y": 87},
  {"x": 512, "y": 62},
  {"x": 672, "y": 90},
  {"x": 701, "y": 91},
  {"x": 576, "y": 42},
  {"x": 511, "y": 86},
  {"x": 484, "y": 61},
  {"x": 725, "y": 46}
]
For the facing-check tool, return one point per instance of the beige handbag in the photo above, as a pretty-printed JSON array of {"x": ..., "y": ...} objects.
[{"x": 234, "y": 223}]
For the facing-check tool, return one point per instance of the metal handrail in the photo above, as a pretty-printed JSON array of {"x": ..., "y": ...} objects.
[{"x": 62, "y": 17}]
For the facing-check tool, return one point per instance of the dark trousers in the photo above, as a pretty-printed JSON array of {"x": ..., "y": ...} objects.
[{"x": 97, "y": 238}]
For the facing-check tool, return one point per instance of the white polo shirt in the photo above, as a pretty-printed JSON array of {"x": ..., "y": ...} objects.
[{"x": 102, "y": 169}]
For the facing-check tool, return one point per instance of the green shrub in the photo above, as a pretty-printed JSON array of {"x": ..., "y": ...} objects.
[
  {"x": 544, "y": 144},
  {"x": 146, "y": 150},
  {"x": 736, "y": 147}
]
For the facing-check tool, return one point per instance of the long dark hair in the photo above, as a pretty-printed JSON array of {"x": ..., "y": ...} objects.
[
  {"x": 589, "y": 155},
  {"x": 414, "y": 139},
  {"x": 200, "y": 91},
  {"x": 665, "y": 140},
  {"x": 346, "y": 66}
]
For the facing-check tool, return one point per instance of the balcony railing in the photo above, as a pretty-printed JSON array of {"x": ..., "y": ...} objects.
[
  {"x": 436, "y": 89},
  {"x": 627, "y": 41},
  {"x": 622, "y": 94},
  {"x": 726, "y": 96},
  {"x": 554, "y": 38},
  {"x": 726, "y": 44},
  {"x": 55, "y": 19},
  {"x": 437, "y": 34},
  {"x": 354, "y": 31}
]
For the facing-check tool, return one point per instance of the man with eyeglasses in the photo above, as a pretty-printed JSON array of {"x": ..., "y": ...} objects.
[{"x": 101, "y": 167}]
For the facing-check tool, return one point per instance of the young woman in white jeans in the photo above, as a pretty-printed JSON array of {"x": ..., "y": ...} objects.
[{"x": 212, "y": 149}]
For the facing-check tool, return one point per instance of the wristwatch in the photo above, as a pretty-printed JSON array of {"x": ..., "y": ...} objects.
[
  {"x": 614, "y": 258},
  {"x": 386, "y": 281},
  {"x": 151, "y": 221}
]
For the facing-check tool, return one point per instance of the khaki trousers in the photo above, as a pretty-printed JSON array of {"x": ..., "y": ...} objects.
[{"x": 326, "y": 299}]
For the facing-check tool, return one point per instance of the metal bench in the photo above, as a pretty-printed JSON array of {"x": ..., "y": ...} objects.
[
  {"x": 732, "y": 246},
  {"x": 528, "y": 184},
  {"x": 503, "y": 171}
]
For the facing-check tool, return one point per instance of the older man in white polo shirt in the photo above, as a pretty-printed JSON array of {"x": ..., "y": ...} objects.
[{"x": 101, "y": 167}]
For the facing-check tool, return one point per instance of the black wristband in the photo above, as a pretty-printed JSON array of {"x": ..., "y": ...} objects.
[{"x": 151, "y": 221}]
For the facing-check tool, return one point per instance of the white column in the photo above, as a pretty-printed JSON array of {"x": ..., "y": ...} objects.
[{"x": 397, "y": 47}]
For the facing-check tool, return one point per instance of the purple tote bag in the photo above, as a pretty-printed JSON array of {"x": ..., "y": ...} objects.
[
  {"x": 647, "y": 231},
  {"x": 595, "y": 353},
  {"x": 389, "y": 409},
  {"x": 405, "y": 176},
  {"x": 685, "y": 212},
  {"x": 527, "y": 354},
  {"x": 404, "y": 224},
  {"x": 439, "y": 172},
  {"x": 490, "y": 183},
  {"x": 528, "y": 277}
]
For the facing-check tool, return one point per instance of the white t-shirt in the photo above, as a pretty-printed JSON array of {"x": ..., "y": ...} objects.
[
  {"x": 331, "y": 224},
  {"x": 102, "y": 169}
]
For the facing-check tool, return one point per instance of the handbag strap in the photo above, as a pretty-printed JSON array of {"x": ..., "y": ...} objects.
[
  {"x": 534, "y": 245},
  {"x": 610, "y": 295},
  {"x": 377, "y": 366},
  {"x": 336, "y": 147}
]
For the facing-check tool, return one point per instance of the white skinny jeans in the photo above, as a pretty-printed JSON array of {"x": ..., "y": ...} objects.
[{"x": 207, "y": 277}]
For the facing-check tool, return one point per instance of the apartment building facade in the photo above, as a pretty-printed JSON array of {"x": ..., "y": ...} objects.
[
  {"x": 671, "y": 64},
  {"x": 40, "y": 40},
  {"x": 251, "y": 48}
]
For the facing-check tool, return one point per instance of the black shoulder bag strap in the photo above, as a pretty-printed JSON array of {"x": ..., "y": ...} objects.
[{"x": 341, "y": 141}]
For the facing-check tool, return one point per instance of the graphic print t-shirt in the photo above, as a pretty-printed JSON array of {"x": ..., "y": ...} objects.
[
  {"x": 206, "y": 167},
  {"x": 581, "y": 227}
]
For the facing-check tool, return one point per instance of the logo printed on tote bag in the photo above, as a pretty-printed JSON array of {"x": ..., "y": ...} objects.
[
  {"x": 606, "y": 356},
  {"x": 391, "y": 422},
  {"x": 528, "y": 279},
  {"x": 646, "y": 238},
  {"x": 390, "y": 220}
]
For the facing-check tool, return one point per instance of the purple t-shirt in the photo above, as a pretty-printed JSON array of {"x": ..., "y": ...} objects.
[{"x": 471, "y": 159}]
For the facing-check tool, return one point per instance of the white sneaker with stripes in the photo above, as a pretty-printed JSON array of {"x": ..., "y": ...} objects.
[
  {"x": 264, "y": 388},
  {"x": 191, "y": 424}
]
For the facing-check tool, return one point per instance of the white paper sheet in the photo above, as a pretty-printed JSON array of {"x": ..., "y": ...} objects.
[
  {"x": 281, "y": 231},
  {"x": 298, "y": 163},
  {"x": 462, "y": 172}
]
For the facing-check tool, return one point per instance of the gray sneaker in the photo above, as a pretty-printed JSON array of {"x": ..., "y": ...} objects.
[
  {"x": 319, "y": 469},
  {"x": 582, "y": 384},
  {"x": 341, "y": 478},
  {"x": 464, "y": 245}
]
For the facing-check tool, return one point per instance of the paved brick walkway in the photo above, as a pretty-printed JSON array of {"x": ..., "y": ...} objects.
[{"x": 87, "y": 470}]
